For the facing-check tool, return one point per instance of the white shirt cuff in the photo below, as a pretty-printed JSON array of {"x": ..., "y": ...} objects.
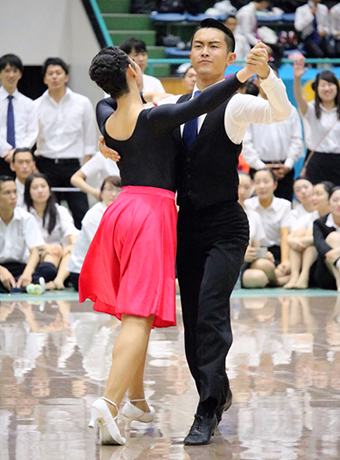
[{"x": 289, "y": 163}]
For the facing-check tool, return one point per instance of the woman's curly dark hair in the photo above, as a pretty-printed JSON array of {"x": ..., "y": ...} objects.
[
  {"x": 330, "y": 77},
  {"x": 108, "y": 70}
]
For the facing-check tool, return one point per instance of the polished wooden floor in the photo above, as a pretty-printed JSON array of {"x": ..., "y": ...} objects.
[{"x": 284, "y": 368}]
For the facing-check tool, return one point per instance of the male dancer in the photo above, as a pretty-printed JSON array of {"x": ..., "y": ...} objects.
[{"x": 212, "y": 227}]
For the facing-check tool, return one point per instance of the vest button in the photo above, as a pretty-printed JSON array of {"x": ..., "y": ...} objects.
[
  {"x": 188, "y": 160},
  {"x": 189, "y": 193},
  {"x": 189, "y": 176}
]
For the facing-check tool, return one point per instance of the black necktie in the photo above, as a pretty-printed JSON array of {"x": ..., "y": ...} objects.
[
  {"x": 10, "y": 122},
  {"x": 190, "y": 129}
]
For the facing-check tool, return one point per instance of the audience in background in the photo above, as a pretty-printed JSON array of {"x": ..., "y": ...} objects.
[
  {"x": 303, "y": 191},
  {"x": 301, "y": 242},
  {"x": 96, "y": 170},
  {"x": 275, "y": 217},
  {"x": 67, "y": 134},
  {"x": 20, "y": 240},
  {"x": 18, "y": 123},
  {"x": 327, "y": 242},
  {"x": 110, "y": 189},
  {"x": 313, "y": 23},
  {"x": 189, "y": 80},
  {"x": 23, "y": 164},
  {"x": 242, "y": 46},
  {"x": 335, "y": 26},
  {"x": 136, "y": 50},
  {"x": 277, "y": 146},
  {"x": 56, "y": 226},
  {"x": 323, "y": 117}
]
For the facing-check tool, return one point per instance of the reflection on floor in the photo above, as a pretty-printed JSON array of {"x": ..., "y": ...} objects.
[{"x": 284, "y": 368}]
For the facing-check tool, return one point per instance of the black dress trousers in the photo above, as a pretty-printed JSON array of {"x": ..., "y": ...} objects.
[{"x": 211, "y": 247}]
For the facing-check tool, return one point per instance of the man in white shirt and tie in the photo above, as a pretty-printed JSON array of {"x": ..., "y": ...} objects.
[
  {"x": 18, "y": 123},
  {"x": 277, "y": 146},
  {"x": 313, "y": 23},
  {"x": 67, "y": 134},
  {"x": 23, "y": 164}
]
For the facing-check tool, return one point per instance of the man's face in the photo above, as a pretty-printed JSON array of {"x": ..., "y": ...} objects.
[
  {"x": 140, "y": 58},
  {"x": 8, "y": 196},
  {"x": 231, "y": 23},
  {"x": 55, "y": 77},
  {"x": 9, "y": 77},
  {"x": 209, "y": 55},
  {"x": 23, "y": 165},
  {"x": 263, "y": 5}
]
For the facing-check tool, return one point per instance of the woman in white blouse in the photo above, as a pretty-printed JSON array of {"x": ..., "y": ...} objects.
[
  {"x": 109, "y": 191},
  {"x": 303, "y": 191},
  {"x": 275, "y": 217},
  {"x": 303, "y": 253},
  {"x": 252, "y": 277},
  {"x": 323, "y": 117},
  {"x": 56, "y": 225}
]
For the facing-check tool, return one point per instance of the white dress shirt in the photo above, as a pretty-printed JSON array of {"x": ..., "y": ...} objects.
[
  {"x": 247, "y": 22},
  {"x": 64, "y": 226},
  {"x": 66, "y": 130},
  {"x": 244, "y": 109},
  {"x": 99, "y": 168},
  {"x": 304, "y": 19},
  {"x": 21, "y": 234},
  {"x": 25, "y": 121},
  {"x": 295, "y": 215},
  {"x": 242, "y": 46},
  {"x": 335, "y": 20},
  {"x": 20, "y": 193},
  {"x": 319, "y": 128},
  {"x": 256, "y": 230},
  {"x": 151, "y": 83},
  {"x": 330, "y": 223},
  {"x": 273, "y": 218},
  {"x": 306, "y": 221},
  {"x": 278, "y": 142},
  {"x": 89, "y": 227}
]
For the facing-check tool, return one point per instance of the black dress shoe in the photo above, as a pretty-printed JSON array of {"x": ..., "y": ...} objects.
[
  {"x": 201, "y": 431},
  {"x": 223, "y": 407}
]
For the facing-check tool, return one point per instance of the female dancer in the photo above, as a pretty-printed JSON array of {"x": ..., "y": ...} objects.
[
  {"x": 323, "y": 117},
  {"x": 56, "y": 225},
  {"x": 302, "y": 252},
  {"x": 129, "y": 268}
]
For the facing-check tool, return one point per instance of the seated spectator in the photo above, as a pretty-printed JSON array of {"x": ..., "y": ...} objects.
[
  {"x": 189, "y": 80},
  {"x": 326, "y": 231},
  {"x": 136, "y": 50},
  {"x": 242, "y": 46},
  {"x": 301, "y": 242},
  {"x": 20, "y": 240},
  {"x": 323, "y": 117},
  {"x": 97, "y": 168},
  {"x": 18, "y": 121},
  {"x": 247, "y": 26},
  {"x": 303, "y": 191},
  {"x": 23, "y": 164},
  {"x": 253, "y": 277},
  {"x": 55, "y": 223},
  {"x": 109, "y": 191},
  {"x": 274, "y": 213},
  {"x": 277, "y": 146},
  {"x": 335, "y": 27},
  {"x": 313, "y": 23}
]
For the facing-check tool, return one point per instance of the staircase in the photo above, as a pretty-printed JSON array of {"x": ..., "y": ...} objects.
[{"x": 122, "y": 25}]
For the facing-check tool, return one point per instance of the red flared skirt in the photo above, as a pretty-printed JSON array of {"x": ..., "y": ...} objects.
[{"x": 130, "y": 265}]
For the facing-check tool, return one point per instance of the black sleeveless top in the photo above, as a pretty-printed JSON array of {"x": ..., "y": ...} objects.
[{"x": 149, "y": 156}]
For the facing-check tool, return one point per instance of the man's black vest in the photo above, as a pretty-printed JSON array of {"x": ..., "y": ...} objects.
[{"x": 208, "y": 172}]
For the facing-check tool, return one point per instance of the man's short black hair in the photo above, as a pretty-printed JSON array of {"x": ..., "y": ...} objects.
[
  {"x": 4, "y": 179},
  {"x": 22, "y": 150},
  {"x": 12, "y": 60},
  {"x": 133, "y": 44},
  {"x": 211, "y": 23},
  {"x": 54, "y": 61}
]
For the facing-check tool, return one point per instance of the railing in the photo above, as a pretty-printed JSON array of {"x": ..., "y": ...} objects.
[
  {"x": 98, "y": 23},
  {"x": 153, "y": 62}
]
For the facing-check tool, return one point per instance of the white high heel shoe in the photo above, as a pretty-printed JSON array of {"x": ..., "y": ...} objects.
[
  {"x": 109, "y": 432},
  {"x": 133, "y": 413}
]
